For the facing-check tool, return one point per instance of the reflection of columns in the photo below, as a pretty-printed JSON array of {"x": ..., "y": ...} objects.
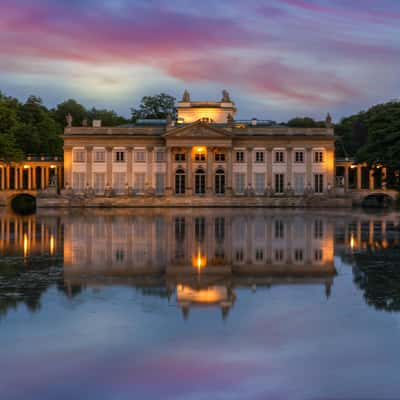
[
  {"x": 269, "y": 166},
  {"x": 229, "y": 171},
  {"x": 168, "y": 187},
  {"x": 358, "y": 177},
  {"x": 129, "y": 166},
  {"x": 249, "y": 160},
  {"x": 109, "y": 166},
  {"x": 309, "y": 166},
  {"x": 371, "y": 179},
  {"x": 210, "y": 154},
  {"x": 89, "y": 156},
  {"x": 346, "y": 178},
  {"x": 189, "y": 175},
  {"x": 149, "y": 167}
]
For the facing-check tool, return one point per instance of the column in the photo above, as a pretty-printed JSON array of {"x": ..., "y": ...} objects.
[
  {"x": 34, "y": 178},
  {"x": 384, "y": 178},
  {"x": 109, "y": 166},
  {"x": 249, "y": 161},
  {"x": 371, "y": 179},
  {"x": 168, "y": 187},
  {"x": 46, "y": 177},
  {"x": 42, "y": 177},
  {"x": 309, "y": 167},
  {"x": 210, "y": 155},
  {"x": 30, "y": 178},
  {"x": 289, "y": 163},
  {"x": 16, "y": 186},
  {"x": 67, "y": 167},
  {"x": 269, "y": 166},
  {"x": 358, "y": 177},
  {"x": 129, "y": 166},
  {"x": 189, "y": 175},
  {"x": 21, "y": 177},
  {"x": 149, "y": 167},
  {"x": 229, "y": 171},
  {"x": 3, "y": 181},
  {"x": 8, "y": 171},
  {"x": 89, "y": 166},
  {"x": 346, "y": 178}
]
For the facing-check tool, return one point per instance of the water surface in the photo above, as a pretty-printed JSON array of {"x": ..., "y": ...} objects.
[{"x": 199, "y": 304}]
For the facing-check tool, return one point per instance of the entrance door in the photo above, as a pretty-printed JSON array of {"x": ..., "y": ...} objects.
[{"x": 299, "y": 180}]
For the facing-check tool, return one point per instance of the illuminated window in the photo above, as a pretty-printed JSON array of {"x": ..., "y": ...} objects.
[{"x": 200, "y": 154}]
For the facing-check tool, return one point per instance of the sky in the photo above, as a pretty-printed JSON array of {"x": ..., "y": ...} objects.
[{"x": 278, "y": 58}]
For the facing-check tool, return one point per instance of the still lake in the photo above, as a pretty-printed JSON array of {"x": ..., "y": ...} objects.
[{"x": 200, "y": 304}]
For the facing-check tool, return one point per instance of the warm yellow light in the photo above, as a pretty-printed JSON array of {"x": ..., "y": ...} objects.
[
  {"x": 199, "y": 261},
  {"x": 26, "y": 245},
  {"x": 53, "y": 166},
  {"x": 200, "y": 149},
  {"x": 353, "y": 166},
  {"x": 26, "y": 166},
  {"x": 210, "y": 295},
  {"x": 352, "y": 242},
  {"x": 52, "y": 246}
]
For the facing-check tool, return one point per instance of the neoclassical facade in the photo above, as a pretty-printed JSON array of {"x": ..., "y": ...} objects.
[{"x": 204, "y": 152}]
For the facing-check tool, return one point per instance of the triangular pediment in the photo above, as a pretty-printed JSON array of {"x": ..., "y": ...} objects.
[{"x": 198, "y": 130}]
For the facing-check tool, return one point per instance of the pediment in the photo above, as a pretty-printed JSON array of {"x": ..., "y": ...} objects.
[{"x": 198, "y": 130}]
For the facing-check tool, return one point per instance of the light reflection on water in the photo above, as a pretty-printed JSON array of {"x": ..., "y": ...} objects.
[{"x": 254, "y": 302}]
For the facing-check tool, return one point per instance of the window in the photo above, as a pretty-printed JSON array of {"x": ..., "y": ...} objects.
[
  {"x": 259, "y": 254},
  {"x": 199, "y": 229},
  {"x": 239, "y": 182},
  {"x": 140, "y": 181},
  {"x": 220, "y": 157},
  {"x": 279, "y": 183},
  {"x": 180, "y": 157},
  {"x": 200, "y": 182},
  {"x": 79, "y": 181},
  {"x": 318, "y": 229},
  {"x": 119, "y": 156},
  {"x": 259, "y": 157},
  {"x": 140, "y": 156},
  {"x": 99, "y": 156},
  {"x": 240, "y": 156},
  {"x": 298, "y": 255},
  {"x": 79, "y": 156},
  {"x": 279, "y": 229},
  {"x": 119, "y": 181},
  {"x": 160, "y": 156},
  {"x": 219, "y": 229},
  {"x": 200, "y": 156},
  {"x": 299, "y": 156},
  {"x": 99, "y": 182},
  {"x": 219, "y": 181},
  {"x": 180, "y": 179},
  {"x": 318, "y": 156},
  {"x": 239, "y": 255},
  {"x": 160, "y": 178},
  {"x": 319, "y": 183},
  {"x": 279, "y": 254},
  {"x": 259, "y": 179},
  {"x": 318, "y": 255},
  {"x": 279, "y": 157}
]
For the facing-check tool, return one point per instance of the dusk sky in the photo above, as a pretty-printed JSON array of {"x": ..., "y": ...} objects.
[{"x": 277, "y": 58}]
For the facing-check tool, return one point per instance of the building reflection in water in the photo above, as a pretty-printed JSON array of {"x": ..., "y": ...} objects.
[{"x": 199, "y": 258}]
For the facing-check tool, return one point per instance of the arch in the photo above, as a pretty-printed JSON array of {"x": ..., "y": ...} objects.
[
  {"x": 180, "y": 181},
  {"x": 200, "y": 181},
  {"x": 378, "y": 200},
  {"x": 23, "y": 203},
  {"x": 219, "y": 181}
]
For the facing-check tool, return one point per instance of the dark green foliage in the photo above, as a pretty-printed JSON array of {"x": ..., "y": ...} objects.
[
  {"x": 155, "y": 107},
  {"x": 305, "y": 122}
]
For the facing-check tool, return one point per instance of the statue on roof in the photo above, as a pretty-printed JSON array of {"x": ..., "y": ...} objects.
[
  {"x": 328, "y": 121},
  {"x": 69, "y": 118},
  {"x": 186, "y": 96},
  {"x": 225, "y": 97}
]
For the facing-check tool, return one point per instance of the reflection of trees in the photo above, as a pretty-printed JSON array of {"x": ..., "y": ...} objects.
[
  {"x": 25, "y": 281},
  {"x": 378, "y": 276}
]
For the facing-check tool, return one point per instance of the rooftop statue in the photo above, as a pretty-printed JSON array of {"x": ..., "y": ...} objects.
[
  {"x": 225, "y": 97},
  {"x": 186, "y": 96},
  {"x": 328, "y": 121},
  {"x": 69, "y": 118}
]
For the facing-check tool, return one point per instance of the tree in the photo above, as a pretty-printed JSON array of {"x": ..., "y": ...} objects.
[
  {"x": 155, "y": 107},
  {"x": 107, "y": 117},
  {"x": 305, "y": 122},
  {"x": 71, "y": 106}
]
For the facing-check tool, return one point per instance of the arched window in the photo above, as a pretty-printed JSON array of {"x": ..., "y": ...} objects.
[
  {"x": 180, "y": 181},
  {"x": 200, "y": 181},
  {"x": 220, "y": 181}
]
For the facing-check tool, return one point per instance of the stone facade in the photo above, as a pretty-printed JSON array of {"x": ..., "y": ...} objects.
[{"x": 204, "y": 153}]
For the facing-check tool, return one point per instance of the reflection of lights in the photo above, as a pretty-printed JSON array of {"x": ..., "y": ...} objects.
[
  {"x": 26, "y": 245},
  {"x": 52, "y": 245},
  {"x": 352, "y": 242},
  {"x": 199, "y": 261}
]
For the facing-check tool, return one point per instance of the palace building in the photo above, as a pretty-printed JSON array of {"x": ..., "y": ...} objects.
[{"x": 204, "y": 152}]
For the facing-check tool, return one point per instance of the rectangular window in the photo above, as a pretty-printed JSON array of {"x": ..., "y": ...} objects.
[
  {"x": 99, "y": 156},
  {"x": 200, "y": 157},
  {"x": 160, "y": 179},
  {"x": 79, "y": 156},
  {"x": 279, "y": 183},
  {"x": 160, "y": 156},
  {"x": 259, "y": 254},
  {"x": 139, "y": 182},
  {"x": 140, "y": 156},
  {"x": 299, "y": 183},
  {"x": 220, "y": 157},
  {"x": 239, "y": 182},
  {"x": 119, "y": 156},
  {"x": 279, "y": 157},
  {"x": 298, "y": 255},
  {"x": 279, "y": 254},
  {"x": 99, "y": 182},
  {"x": 299, "y": 157},
  {"x": 259, "y": 157},
  {"x": 318, "y": 255},
  {"x": 319, "y": 183},
  {"x": 79, "y": 181},
  {"x": 318, "y": 229},
  {"x": 318, "y": 156},
  {"x": 279, "y": 229},
  {"x": 119, "y": 181},
  {"x": 240, "y": 156},
  {"x": 180, "y": 157},
  {"x": 259, "y": 180}
]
